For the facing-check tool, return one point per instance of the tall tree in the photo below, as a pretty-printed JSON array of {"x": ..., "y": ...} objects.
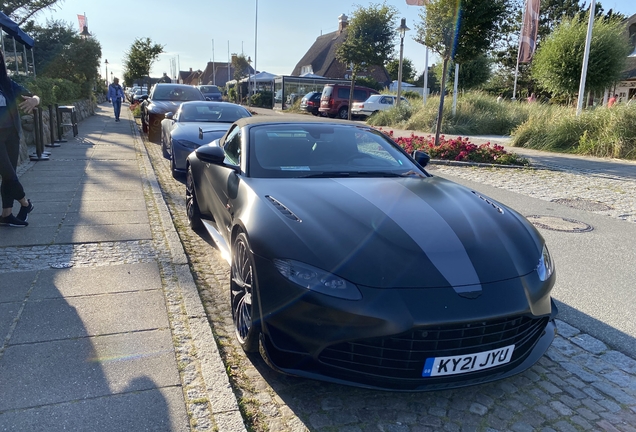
[
  {"x": 369, "y": 40},
  {"x": 458, "y": 31},
  {"x": 408, "y": 70},
  {"x": 60, "y": 52},
  {"x": 473, "y": 73},
  {"x": 22, "y": 10},
  {"x": 557, "y": 63},
  {"x": 139, "y": 59},
  {"x": 506, "y": 48}
]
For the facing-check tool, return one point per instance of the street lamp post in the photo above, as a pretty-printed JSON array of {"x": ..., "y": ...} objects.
[
  {"x": 106, "y": 63},
  {"x": 249, "y": 81},
  {"x": 255, "y": 43},
  {"x": 402, "y": 29}
]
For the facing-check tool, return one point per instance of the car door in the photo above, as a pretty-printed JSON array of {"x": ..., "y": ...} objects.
[{"x": 223, "y": 182}]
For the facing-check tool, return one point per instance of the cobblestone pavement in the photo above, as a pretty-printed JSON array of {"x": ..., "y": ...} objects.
[{"x": 579, "y": 385}]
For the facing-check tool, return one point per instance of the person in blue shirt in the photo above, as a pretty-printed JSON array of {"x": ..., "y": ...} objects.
[
  {"x": 12, "y": 97},
  {"x": 116, "y": 96}
]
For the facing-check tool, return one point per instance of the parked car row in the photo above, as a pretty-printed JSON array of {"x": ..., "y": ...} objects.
[{"x": 332, "y": 277}]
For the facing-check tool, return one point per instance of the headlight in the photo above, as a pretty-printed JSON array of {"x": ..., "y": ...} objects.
[
  {"x": 545, "y": 268},
  {"x": 187, "y": 144},
  {"x": 314, "y": 279}
]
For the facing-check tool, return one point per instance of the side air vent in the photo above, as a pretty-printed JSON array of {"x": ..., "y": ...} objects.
[
  {"x": 284, "y": 210},
  {"x": 494, "y": 205}
]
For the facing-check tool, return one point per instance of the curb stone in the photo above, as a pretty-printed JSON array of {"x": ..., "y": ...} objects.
[{"x": 222, "y": 401}]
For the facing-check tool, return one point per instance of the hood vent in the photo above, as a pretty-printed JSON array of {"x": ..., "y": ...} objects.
[
  {"x": 284, "y": 210},
  {"x": 493, "y": 204}
]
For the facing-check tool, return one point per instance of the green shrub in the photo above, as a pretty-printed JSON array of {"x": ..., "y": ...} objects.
[{"x": 53, "y": 90}]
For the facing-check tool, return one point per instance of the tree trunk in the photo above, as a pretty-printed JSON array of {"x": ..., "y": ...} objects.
[
  {"x": 440, "y": 112},
  {"x": 353, "y": 84}
]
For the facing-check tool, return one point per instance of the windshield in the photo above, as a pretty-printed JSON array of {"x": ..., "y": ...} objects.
[
  {"x": 325, "y": 150},
  {"x": 176, "y": 93},
  {"x": 221, "y": 113},
  {"x": 210, "y": 89}
]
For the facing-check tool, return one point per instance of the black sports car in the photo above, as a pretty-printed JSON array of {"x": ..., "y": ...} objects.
[
  {"x": 350, "y": 263},
  {"x": 195, "y": 123},
  {"x": 164, "y": 98}
]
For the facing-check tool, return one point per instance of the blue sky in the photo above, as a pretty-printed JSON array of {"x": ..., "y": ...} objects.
[{"x": 186, "y": 28}]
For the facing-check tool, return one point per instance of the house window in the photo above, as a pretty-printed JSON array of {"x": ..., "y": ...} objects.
[{"x": 306, "y": 69}]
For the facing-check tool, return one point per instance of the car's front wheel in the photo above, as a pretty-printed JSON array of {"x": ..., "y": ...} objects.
[
  {"x": 164, "y": 145},
  {"x": 192, "y": 206},
  {"x": 242, "y": 294},
  {"x": 154, "y": 132},
  {"x": 173, "y": 168},
  {"x": 144, "y": 123}
]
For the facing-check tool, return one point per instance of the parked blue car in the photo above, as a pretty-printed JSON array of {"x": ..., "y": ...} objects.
[{"x": 194, "y": 124}]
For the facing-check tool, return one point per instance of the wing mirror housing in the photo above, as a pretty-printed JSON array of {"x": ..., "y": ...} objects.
[
  {"x": 421, "y": 157},
  {"x": 169, "y": 115},
  {"x": 211, "y": 154}
]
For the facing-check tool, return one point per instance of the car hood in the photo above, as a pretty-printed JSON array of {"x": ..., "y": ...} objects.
[
  {"x": 394, "y": 232},
  {"x": 190, "y": 131}
]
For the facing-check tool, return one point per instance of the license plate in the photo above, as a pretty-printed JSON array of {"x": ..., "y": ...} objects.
[{"x": 453, "y": 365}]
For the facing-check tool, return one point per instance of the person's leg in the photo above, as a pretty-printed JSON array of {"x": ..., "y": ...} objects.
[
  {"x": 11, "y": 188},
  {"x": 117, "y": 107}
]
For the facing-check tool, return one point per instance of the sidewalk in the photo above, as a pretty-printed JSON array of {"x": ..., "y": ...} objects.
[{"x": 100, "y": 319}]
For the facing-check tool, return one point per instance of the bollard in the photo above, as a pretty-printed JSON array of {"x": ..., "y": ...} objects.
[
  {"x": 60, "y": 127},
  {"x": 52, "y": 128},
  {"x": 40, "y": 154}
]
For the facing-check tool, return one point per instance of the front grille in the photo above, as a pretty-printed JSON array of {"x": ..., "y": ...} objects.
[{"x": 402, "y": 356}]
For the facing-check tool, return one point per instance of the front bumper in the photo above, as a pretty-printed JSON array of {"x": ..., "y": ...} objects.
[
  {"x": 180, "y": 154},
  {"x": 383, "y": 340}
]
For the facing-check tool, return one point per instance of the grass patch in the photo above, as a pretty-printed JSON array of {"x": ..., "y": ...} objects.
[
  {"x": 477, "y": 114},
  {"x": 598, "y": 132}
]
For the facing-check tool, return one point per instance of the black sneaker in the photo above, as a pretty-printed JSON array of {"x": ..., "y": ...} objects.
[
  {"x": 12, "y": 221},
  {"x": 23, "y": 214}
]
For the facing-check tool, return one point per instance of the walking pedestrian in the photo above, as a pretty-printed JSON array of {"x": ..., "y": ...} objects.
[
  {"x": 12, "y": 97},
  {"x": 612, "y": 101},
  {"x": 116, "y": 95}
]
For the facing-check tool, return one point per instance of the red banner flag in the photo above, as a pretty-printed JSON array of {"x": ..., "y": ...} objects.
[
  {"x": 82, "y": 22},
  {"x": 529, "y": 31}
]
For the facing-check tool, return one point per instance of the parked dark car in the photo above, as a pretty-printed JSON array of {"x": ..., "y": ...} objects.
[
  {"x": 350, "y": 263},
  {"x": 311, "y": 103},
  {"x": 195, "y": 123},
  {"x": 335, "y": 99},
  {"x": 211, "y": 92},
  {"x": 164, "y": 98}
]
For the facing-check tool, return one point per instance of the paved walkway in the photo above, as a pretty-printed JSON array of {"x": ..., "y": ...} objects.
[{"x": 101, "y": 326}]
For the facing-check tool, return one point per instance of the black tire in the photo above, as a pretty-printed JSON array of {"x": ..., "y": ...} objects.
[
  {"x": 144, "y": 124},
  {"x": 316, "y": 113},
  {"x": 154, "y": 132},
  {"x": 164, "y": 146},
  {"x": 343, "y": 113},
  {"x": 242, "y": 294},
  {"x": 173, "y": 169},
  {"x": 192, "y": 206}
]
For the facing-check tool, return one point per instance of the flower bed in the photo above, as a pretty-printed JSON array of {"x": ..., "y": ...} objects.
[{"x": 459, "y": 149}]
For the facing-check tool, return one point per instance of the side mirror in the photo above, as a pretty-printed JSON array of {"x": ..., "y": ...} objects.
[
  {"x": 169, "y": 115},
  {"x": 143, "y": 97},
  {"x": 421, "y": 157},
  {"x": 208, "y": 99},
  {"x": 211, "y": 154}
]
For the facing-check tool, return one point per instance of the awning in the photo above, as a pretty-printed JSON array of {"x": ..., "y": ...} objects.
[{"x": 13, "y": 30}]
